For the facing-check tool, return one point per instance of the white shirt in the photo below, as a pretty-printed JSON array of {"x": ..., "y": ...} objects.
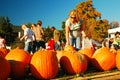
[
  {"x": 30, "y": 34},
  {"x": 74, "y": 29}
]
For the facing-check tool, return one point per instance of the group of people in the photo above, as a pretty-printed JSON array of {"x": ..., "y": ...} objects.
[
  {"x": 34, "y": 37},
  {"x": 112, "y": 42}
]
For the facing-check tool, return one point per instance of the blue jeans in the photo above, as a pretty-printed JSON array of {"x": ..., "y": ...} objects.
[
  {"x": 29, "y": 47},
  {"x": 75, "y": 42},
  {"x": 57, "y": 46}
]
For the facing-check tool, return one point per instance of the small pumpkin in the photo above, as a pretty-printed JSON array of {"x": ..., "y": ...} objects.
[
  {"x": 19, "y": 61},
  {"x": 44, "y": 64},
  {"x": 73, "y": 62},
  {"x": 4, "y": 69},
  {"x": 103, "y": 59}
]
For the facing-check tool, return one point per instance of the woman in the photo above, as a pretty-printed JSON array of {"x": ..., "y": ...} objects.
[{"x": 73, "y": 30}]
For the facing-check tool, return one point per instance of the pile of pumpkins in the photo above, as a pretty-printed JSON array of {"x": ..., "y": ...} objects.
[{"x": 44, "y": 64}]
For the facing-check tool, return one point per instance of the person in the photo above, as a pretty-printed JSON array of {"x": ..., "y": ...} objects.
[
  {"x": 56, "y": 37},
  {"x": 28, "y": 38},
  {"x": 50, "y": 44},
  {"x": 73, "y": 30},
  {"x": 34, "y": 29},
  {"x": 116, "y": 40},
  {"x": 39, "y": 34},
  {"x": 2, "y": 42}
]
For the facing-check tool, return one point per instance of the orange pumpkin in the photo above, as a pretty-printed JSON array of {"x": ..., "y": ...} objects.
[
  {"x": 73, "y": 62},
  {"x": 4, "y": 52},
  {"x": 44, "y": 64},
  {"x": 104, "y": 59},
  {"x": 88, "y": 52},
  {"x": 19, "y": 61},
  {"x": 4, "y": 69},
  {"x": 118, "y": 59},
  {"x": 69, "y": 48},
  {"x": 59, "y": 54}
]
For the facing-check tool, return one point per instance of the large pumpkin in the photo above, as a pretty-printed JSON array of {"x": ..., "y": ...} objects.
[
  {"x": 4, "y": 69},
  {"x": 73, "y": 62},
  {"x": 88, "y": 52},
  {"x": 19, "y": 61},
  {"x": 59, "y": 54},
  {"x": 44, "y": 64},
  {"x": 104, "y": 59},
  {"x": 118, "y": 59}
]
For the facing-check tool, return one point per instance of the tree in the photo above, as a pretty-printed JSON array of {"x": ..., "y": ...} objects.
[
  {"x": 6, "y": 29},
  {"x": 94, "y": 27}
]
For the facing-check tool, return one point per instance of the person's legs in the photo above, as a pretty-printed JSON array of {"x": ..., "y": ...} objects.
[
  {"x": 72, "y": 41},
  {"x": 42, "y": 44},
  {"x": 26, "y": 48},
  {"x": 57, "y": 46},
  {"x": 77, "y": 43}
]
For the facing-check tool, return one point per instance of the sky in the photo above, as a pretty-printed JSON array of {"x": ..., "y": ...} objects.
[{"x": 53, "y": 12}]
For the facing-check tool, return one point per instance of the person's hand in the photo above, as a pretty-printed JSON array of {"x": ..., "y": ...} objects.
[
  {"x": 21, "y": 39},
  {"x": 67, "y": 43}
]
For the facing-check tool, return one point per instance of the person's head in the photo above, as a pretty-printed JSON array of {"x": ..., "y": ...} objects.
[
  {"x": 73, "y": 15},
  {"x": 52, "y": 28},
  {"x": 33, "y": 25},
  {"x": 23, "y": 26},
  {"x": 117, "y": 34},
  {"x": 39, "y": 22}
]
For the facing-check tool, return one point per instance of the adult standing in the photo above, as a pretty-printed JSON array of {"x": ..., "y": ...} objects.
[
  {"x": 39, "y": 34},
  {"x": 73, "y": 30},
  {"x": 56, "y": 37},
  {"x": 28, "y": 38}
]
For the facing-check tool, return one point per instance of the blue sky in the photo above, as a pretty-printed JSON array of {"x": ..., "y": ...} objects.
[{"x": 53, "y": 12}]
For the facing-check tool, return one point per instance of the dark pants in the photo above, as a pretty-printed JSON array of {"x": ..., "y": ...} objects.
[
  {"x": 116, "y": 46},
  {"x": 39, "y": 44}
]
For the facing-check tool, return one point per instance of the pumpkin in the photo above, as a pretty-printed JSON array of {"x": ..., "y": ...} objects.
[
  {"x": 19, "y": 61},
  {"x": 69, "y": 48},
  {"x": 59, "y": 54},
  {"x": 88, "y": 52},
  {"x": 4, "y": 52},
  {"x": 4, "y": 69},
  {"x": 103, "y": 59},
  {"x": 73, "y": 62},
  {"x": 118, "y": 59},
  {"x": 44, "y": 64}
]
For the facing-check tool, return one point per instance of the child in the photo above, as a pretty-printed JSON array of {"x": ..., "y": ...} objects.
[{"x": 50, "y": 45}]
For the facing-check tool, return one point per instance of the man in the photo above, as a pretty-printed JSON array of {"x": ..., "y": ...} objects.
[
  {"x": 56, "y": 37},
  {"x": 29, "y": 38},
  {"x": 39, "y": 34}
]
